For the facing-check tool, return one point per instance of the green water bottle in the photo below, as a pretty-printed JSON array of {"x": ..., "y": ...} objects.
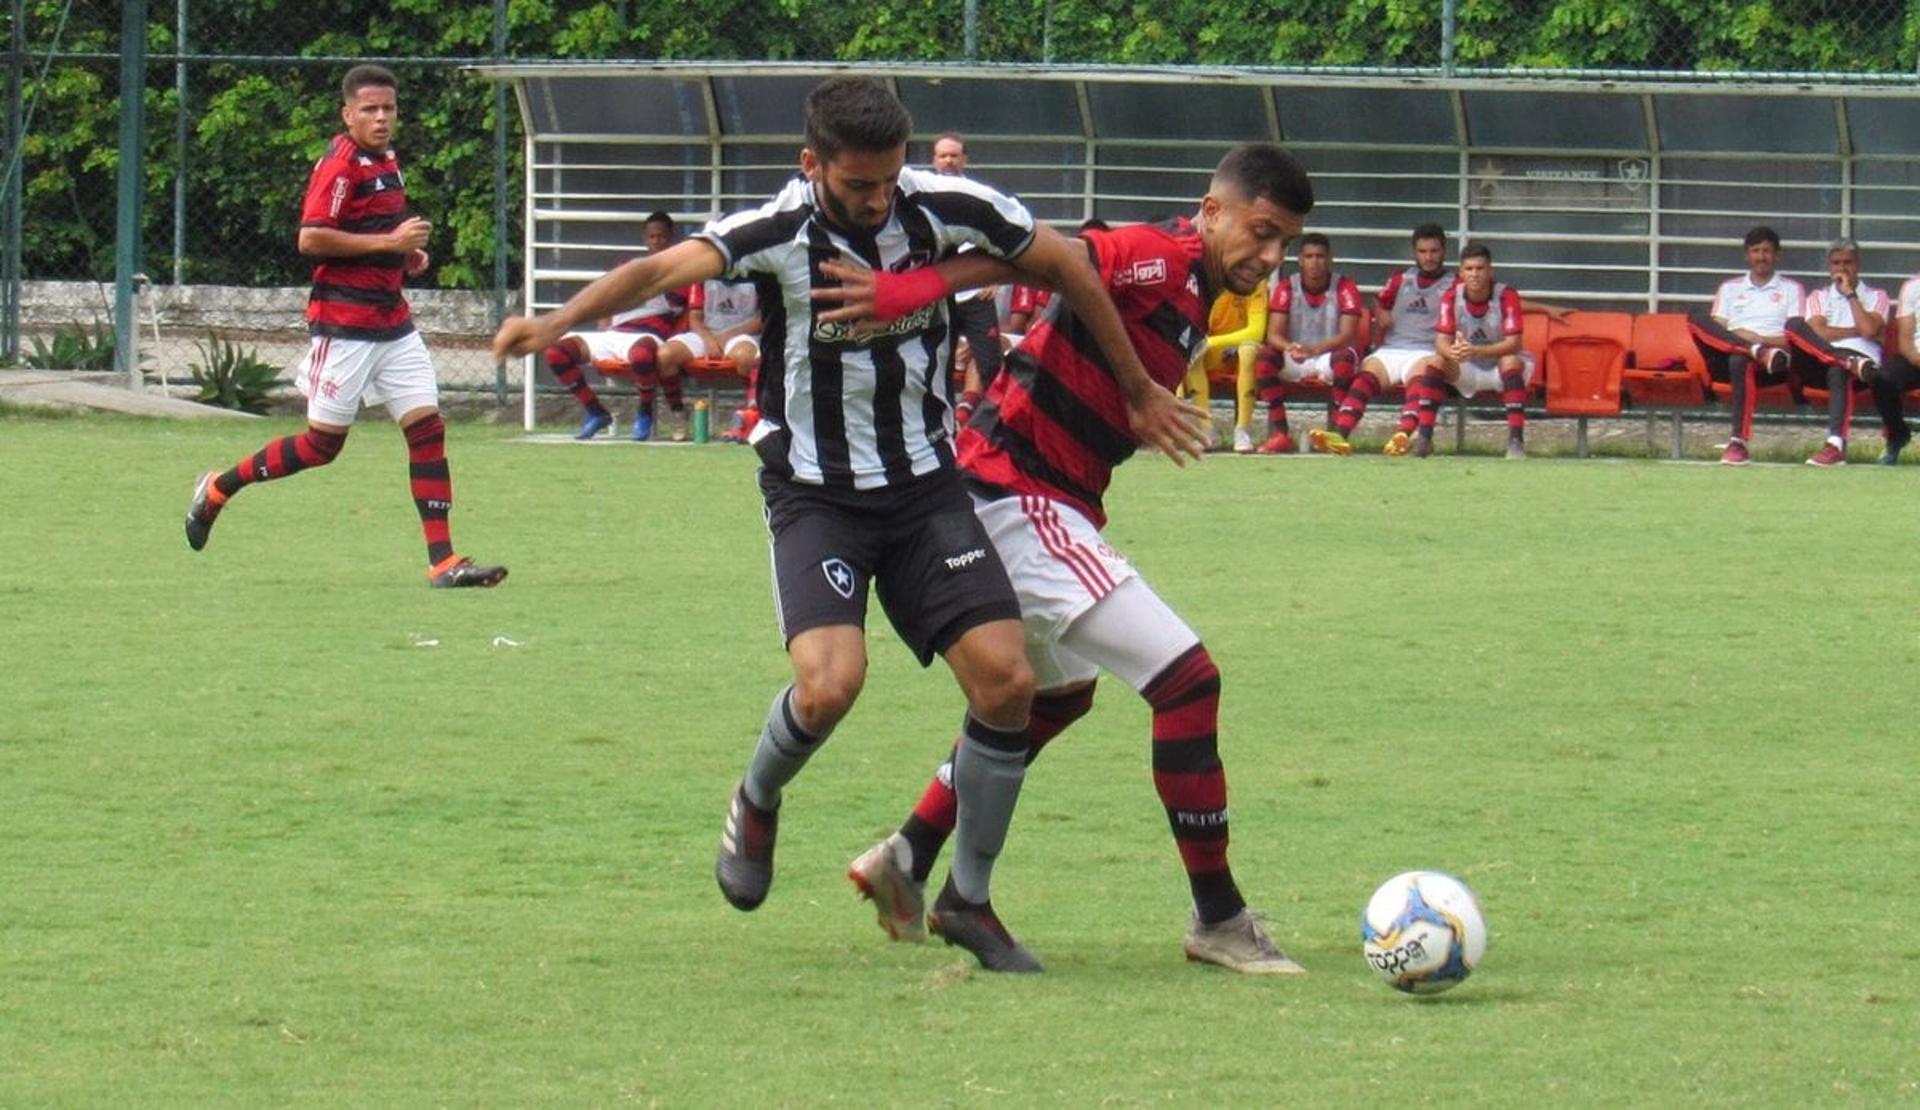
[{"x": 699, "y": 421}]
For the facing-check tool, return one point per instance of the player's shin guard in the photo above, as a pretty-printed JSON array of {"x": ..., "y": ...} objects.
[
  {"x": 988, "y": 766},
  {"x": 432, "y": 484},
  {"x": 646, "y": 373},
  {"x": 783, "y": 749},
  {"x": 1423, "y": 404},
  {"x": 1361, "y": 391},
  {"x": 571, "y": 374},
  {"x": 927, "y": 828},
  {"x": 1513, "y": 395},
  {"x": 281, "y": 458},
  {"x": 1187, "y": 774}
]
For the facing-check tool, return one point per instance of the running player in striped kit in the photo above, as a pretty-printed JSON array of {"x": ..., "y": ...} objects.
[
  {"x": 857, "y": 467},
  {"x": 354, "y": 223},
  {"x": 1038, "y": 457}
]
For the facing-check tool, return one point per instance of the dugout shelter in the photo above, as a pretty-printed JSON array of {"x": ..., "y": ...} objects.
[{"x": 1593, "y": 191}]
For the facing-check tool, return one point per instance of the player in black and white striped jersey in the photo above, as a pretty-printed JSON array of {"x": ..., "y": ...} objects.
[{"x": 857, "y": 467}]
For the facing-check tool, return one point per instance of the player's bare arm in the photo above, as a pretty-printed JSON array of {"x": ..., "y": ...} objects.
[
  {"x": 622, "y": 288},
  {"x": 1158, "y": 418}
]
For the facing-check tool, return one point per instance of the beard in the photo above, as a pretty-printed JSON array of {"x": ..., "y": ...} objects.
[{"x": 845, "y": 215}]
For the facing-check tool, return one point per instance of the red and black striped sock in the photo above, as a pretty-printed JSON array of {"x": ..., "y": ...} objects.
[
  {"x": 571, "y": 374},
  {"x": 1187, "y": 774},
  {"x": 1432, "y": 390},
  {"x": 1360, "y": 393},
  {"x": 1513, "y": 394},
  {"x": 432, "y": 484},
  {"x": 1343, "y": 364},
  {"x": 281, "y": 458},
  {"x": 646, "y": 373},
  {"x": 1270, "y": 387},
  {"x": 927, "y": 828},
  {"x": 674, "y": 389}
]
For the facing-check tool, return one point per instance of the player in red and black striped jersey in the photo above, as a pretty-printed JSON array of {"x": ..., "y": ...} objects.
[
  {"x": 355, "y": 224},
  {"x": 1038, "y": 456}
]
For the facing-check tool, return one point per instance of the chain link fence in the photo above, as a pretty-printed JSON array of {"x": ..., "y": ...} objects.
[{"x": 241, "y": 96}]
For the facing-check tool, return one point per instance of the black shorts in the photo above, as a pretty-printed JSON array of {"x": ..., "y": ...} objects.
[{"x": 919, "y": 544}]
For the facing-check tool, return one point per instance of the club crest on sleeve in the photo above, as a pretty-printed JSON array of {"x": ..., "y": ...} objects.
[{"x": 839, "y": 576}]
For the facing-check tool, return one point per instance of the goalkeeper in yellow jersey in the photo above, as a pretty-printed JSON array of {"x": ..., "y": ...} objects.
[{"x": 1235, "y": 327}]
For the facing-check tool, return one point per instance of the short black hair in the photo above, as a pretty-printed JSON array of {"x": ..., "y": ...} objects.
[
  {"x": 1263, "y": 170},
  {"x": 1313, "y": 239},
  {"x": 1477, "y": 250},
  {"x": 1429, "y": 231},
  {"x": 362, "y": 76},
  {"x": 854, "y": 113},
  {"x": 658, "y": 218},
  {"x": 1094, "y": 223},
  {"x": 1762, "y": 234}
]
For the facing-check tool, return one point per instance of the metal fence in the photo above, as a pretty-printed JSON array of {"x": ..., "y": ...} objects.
[{"x": 240, "y": 95}]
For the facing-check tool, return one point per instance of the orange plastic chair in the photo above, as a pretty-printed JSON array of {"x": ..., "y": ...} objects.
[
  {"x": 1586, "y": 357},
  {"x": 1667, "y": 370}
]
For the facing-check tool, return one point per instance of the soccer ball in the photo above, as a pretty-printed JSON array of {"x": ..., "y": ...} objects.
[{"x": 1423, "y": 932}]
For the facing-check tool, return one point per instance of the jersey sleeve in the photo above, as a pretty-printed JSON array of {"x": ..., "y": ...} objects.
[
  {"x": 1249, "y": 312},
  {"x": 749, "y": 241},
  {"x": 1281, "y": 302},
  {"x": 1348, "y": 294},
  {"x": 1721, "y": 302},
  {"x": 971, "y": 214},
  {"x": 697, "y": 296},
  {"x": 1513, "y": 320},
  {"x": 1445, "y": 323},
  {"x": 1391, "y": 290},
  {"x": 327, "y": 191}
]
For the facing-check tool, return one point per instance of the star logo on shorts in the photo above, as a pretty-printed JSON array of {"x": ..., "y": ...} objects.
[{"x": 839, "y": 576}]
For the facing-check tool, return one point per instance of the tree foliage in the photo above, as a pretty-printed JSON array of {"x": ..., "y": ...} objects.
[{"x": 260, "y": 118}]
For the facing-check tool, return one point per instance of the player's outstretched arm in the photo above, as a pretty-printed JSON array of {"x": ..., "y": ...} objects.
[
  {"x": 621, "y": 288},
  {"x": 1159, "y": 419},
  {"x": 862, "y": 295}
]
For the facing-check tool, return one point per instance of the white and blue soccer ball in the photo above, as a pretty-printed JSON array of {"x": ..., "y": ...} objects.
[{"x": 1423, "y": 932}]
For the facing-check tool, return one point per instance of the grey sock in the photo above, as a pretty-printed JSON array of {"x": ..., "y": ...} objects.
[
  {"x": 988, "y": 767},
  {"x": 784, "y": 748}
]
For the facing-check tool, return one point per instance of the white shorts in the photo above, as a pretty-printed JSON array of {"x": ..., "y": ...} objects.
[
  {"x": 1484, "y": 376},
  {"x": 607, "y": 350},
  {"x": 739, "y": 347},
  {"x": 340, "y": 375},
  {"x": 1064, "y": 573},
  {"x": 1399, "y": 363}
]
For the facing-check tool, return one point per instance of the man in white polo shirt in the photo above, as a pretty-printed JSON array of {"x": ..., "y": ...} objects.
[
  {"x": 1836, "y": 343},
  {"x": 1744, "y": 335}
]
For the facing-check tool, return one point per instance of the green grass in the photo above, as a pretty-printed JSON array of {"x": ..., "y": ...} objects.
[{"x": 262, "y": 846}]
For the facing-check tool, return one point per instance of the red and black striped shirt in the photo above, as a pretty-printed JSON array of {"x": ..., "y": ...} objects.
[
  {"x": 1054, "y": 421},
  {"x": 357, "y": 190}
]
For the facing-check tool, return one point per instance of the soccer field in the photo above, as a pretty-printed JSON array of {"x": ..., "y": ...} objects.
[{"x": 284, "y": 826}]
